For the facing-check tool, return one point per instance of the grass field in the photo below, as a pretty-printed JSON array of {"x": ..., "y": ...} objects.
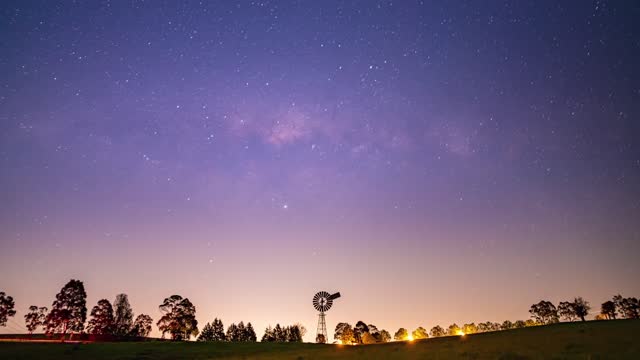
[{"x": 592, "y": 340}]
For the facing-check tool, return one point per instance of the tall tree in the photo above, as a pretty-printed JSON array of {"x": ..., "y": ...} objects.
[
  {"x": 250, "y": 333},
  {"x": 420, "y": 333},
  {"x": 580, "y": 308},
  {"x": 123, "y": 315},
  {"x": 630, "y": 308},
  {"x": 101, "y": 322},
  {"x": 268, "y": 335},
  {"x": 401, "y": 335},
  {"x": 218, "y": 330},
  {"x": 141, "y": 326},
  {"x": 360, "y": 329},
  {"x": 179, "y": 318},
  {"x": 241, "y": 334},
  {"x": 278, "y": 334},
  {"x": 6, "y": 308},
  {"x": 566, "y": 311},
  {"x": 608, "y": 309},
  {"x": 544, "y": 312},
  {"x": 344, "y": 333},
  {"x": 35, "y": 317},
  {"x": 293, "y": 334},
  {"x": 437, "y": 331},
  {"x": 207, "y": 333},
  {"x": 69, "y": 310},
  {"x": 385, "y": 336},
  {"x": 232, "y": 333},
  {"x": 373, "y": 330}
]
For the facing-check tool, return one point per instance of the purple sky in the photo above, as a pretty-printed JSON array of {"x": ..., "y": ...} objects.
[{"x": 435, "y": 162}]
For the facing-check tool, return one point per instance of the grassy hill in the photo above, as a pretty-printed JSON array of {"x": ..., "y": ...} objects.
[{"x": 591, "y": 340}]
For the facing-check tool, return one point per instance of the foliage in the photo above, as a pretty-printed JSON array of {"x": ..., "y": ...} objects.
[
  {"x": 453, "y": 329},
  {"x": 580, "y": 308},
  {"x": 101, "y": 322},
  {"x": 367, "y": 338},
  {"x": 360, "y": 329},
  {"x": 250, "y": 333},
  {"x": 506, "y": 325},
  {"x": 141, "y": 326},
  {"x": 69, "y": 310},
  {"x": 218, "y": 330},
  {"x": 35, "y": 317},
  {"x": 471, "y": 328},
  {"x": 544, "y": 312},
  {"x": 344, "y": 333},
  {"x": 566, "y": 311},
  {"x": 437, "y": 331},
  {"x": 419, "y": 333},
  {"x": 385, "y": 336},
  {"x": 123, "y": 321},
  {"x": 401, "y": 335},
  {"x": 268, "y": 335},
  {"x": 519, "y": 324},
  {"x": 291, "y": 333},
  {"x": 179, "y": 319},
  {"x": 232, "y": 333},
  {"x": 206, "y": 334},
  {"x": 628, "y": 308},
  {"x": 6, "y": 308},
  {"x": 608, "y": 309}
]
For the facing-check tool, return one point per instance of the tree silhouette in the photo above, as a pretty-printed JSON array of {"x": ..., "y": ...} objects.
[
  {"x": 141, "y": 326},
  {"x": 35, "y": 317},
  {"x": 608, "y": 309},
  {"x": 567, "y": 311},
  {"x": 506, "y": 325},
  {"x": 544, "y": 312},
  {"x": 628, "y": 308},
  {"x": 69, "y": 310},
  {"x": 279, "y": 334},
  {"x": 6, "y": 308},
  {"x": 101, "y": 322},
  {"x": 385, "y": 336},
  {"x": 207, "y": 333},
  {"x": 373, "y": 330},
  {"x": 580, "y": 308},
  {"x": 293, "y": 333},
  {"x": 437, "y": 331},
  {"x": 344, "y": 333},
  {"x": 420, "y": 333},
  {"x": 241, "y": 334},
  {"x": 232, "y": 333},
  {"x": 179, "y": 318},
  {"x": 401, "y": 335},
  {"x": 268, "y": 336},
  {"x": 367, "y": 338},
  {"x": 218, "y": 330},
  {"x": 359, "y": 330},
  {"x": 250, "y": 333},
  {"x": 123, "y": 315}
]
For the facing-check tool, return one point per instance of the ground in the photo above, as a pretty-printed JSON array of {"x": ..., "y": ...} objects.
[{"x": 619, "y": 339}]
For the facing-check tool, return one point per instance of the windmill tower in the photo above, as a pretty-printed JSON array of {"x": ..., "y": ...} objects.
[{"x": 322, "y": 301}]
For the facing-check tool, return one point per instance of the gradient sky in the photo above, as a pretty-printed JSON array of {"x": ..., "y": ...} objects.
[{"x": 435, "y": 162}]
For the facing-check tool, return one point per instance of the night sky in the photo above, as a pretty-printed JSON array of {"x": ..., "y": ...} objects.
[{"x": 435, "y": 162}]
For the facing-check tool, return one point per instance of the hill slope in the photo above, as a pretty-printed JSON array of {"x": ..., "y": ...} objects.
[{"x": 592, "y": 340}]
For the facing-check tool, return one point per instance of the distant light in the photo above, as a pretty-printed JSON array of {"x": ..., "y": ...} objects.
[
  {"x": 410, "y": 337},
  {"x": 460, "y": 333}
]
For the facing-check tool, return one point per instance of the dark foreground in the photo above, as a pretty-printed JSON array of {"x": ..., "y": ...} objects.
[{"x": 592, "y": 340}]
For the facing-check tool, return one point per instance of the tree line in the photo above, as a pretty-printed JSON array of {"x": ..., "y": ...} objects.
[{"x": 68, "y": 314}]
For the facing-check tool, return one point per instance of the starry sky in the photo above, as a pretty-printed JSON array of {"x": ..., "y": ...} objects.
[{"x": 434, "y": 161}]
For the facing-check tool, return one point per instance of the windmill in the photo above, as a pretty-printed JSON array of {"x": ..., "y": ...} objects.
[{"x": 322, "y": 301}]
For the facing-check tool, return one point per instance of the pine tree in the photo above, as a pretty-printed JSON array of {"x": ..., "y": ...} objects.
[
  {"x": 218, "y": 330},
  {"x": 241, "y": 332},
  {"x": 250, "y": 333},
  {"x": 232, "y": 333},
  {"x": 268, "y": 336},
  {"x": 278, "y": 334},
  {"x": 207, "y": 333}
]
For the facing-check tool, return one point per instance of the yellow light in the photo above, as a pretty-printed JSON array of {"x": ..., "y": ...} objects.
[
  {"x": 410, "y": 337},
  {"x": 460, "y": 333}
]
